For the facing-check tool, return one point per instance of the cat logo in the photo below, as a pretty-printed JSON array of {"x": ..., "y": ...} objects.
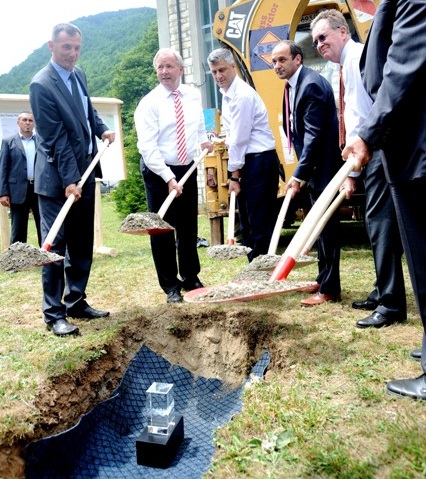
[{"x": 235, "y": 25}]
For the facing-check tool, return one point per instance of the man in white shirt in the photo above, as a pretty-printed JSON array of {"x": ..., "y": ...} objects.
[
  {"x": 331, "y": 36},
  {"x": 253, "y": 161},
  {"x": 174, "y": 253}
]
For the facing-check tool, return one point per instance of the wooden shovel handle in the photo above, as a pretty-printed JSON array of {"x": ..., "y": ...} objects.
[
  {"x": 231, "y": 219},
  {"x": 168, "y": 201},
  {"x": 300, "y": 239},
  {"x": 50, "y": 238},
  {"x": 279, "y": 224}
]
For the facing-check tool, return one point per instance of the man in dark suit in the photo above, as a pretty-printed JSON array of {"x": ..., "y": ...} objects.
[
  {"x": 17, "y": 158},
  {"x": 393, "y": 65},
  {"x": 67, "y": 127},
  {"x": 314, "y": 132}
]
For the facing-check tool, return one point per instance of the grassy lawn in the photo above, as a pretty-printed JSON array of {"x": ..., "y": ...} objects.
[{"x": 322, "y": 411}]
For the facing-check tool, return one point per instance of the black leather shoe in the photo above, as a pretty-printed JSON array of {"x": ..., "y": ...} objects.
[
  {"x": 413, "y": 388},
  {"x": 61, "y": 327},
  {"x": 416, "y": 354},
  {"x": 84, "y": 311},
  {"x": 174, "y": 296},
  {"x": 190, "y": 285},
  {"x": 367, "y": 305},
  {"x": 377, "y": 320}
]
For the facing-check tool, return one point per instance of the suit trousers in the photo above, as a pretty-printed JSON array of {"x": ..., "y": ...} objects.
[
  {"x": 174, "y": 252},
  {"x": 328, "y": 245},
  {"x": 383, "y": 231},
  {"x": 412, "y": 224},
  {"x": 257, "y": 201},
  {"x": 19, "y": 214},
  {"x": 74, "y": 241}
]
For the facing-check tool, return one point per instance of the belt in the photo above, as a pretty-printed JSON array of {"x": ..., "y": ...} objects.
[
  {"x": 31, "y": 182},
  {"x": 250, "y": 156}
]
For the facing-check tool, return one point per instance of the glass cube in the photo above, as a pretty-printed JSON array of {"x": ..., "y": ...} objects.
[{"x": 160, "y": 408}]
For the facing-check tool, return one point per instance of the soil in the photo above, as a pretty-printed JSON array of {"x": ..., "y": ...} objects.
[
  {"x": 140, "y": 223},
  {"x": 20, "y": 256},
  {"x": 207, "y": 340},
  {"x": 224, "y": 251}
]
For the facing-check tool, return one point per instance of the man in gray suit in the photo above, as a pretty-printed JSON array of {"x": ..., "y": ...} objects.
[
  {"x": 393, "y": 65},
  {"x": 17, "y": 158},
  {"x": 67, "y": 127}
]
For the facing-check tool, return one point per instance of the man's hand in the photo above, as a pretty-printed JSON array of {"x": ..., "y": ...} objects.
[
  {"x": 349, "y": 185},
  {"x": 110, "y": 135},
  {"x": 5, "y": 201},
  {"x": 293, "y": 187},
  {"x": 359, "y": 150},
  {"x": 75, "y": 190},
  {"x": 174, "y": 185}
]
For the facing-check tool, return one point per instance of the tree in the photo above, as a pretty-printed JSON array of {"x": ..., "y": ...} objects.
[{"x": 134, "y": 77}]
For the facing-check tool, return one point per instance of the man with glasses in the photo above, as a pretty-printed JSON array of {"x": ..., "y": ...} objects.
[{"x": 331, "y": 37}]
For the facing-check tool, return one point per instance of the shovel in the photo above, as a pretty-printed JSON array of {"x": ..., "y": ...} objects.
[
  {"x": 306, "y": 229},
  {"x": 229, "y": 250},
  {"x": 20, "y": 256},
  {"x": 152, "y": 223},
  {"x": 285, "y": 265}
]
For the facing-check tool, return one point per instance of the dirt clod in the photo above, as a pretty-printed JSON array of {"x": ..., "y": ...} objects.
[{"x": 21, "y": 256}]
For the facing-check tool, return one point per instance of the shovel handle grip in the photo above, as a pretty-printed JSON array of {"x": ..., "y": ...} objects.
[
  {"x": 231, "y": 219},
  {"x": 279, "y": 224}
]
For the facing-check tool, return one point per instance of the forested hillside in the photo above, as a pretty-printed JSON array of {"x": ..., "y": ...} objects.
[{"x": 107, "y": 37}]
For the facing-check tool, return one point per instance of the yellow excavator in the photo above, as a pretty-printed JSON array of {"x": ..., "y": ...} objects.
[{"x": 251, "y": 29}]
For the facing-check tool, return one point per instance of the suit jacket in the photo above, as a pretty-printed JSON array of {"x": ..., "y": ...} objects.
[
  {"x": 393, "y": 66},
  {"x": 13, "y": 169},
  {"x": 315, "y": 130},
  {"x": 62, "y": 133}
]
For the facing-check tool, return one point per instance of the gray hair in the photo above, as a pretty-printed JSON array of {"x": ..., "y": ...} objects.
[
  {"x": 69, "y": 28},
  {"x": 334, "y": 17},
  {"x": 169, "y": 51},
  {"x": 220, "y": 54}
]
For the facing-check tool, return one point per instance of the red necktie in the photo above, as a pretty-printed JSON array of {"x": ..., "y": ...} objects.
[
  {"x": 342, "y": 129},
  {"x": 287, "y": 113},
  {"x": 180, "y": 129}
]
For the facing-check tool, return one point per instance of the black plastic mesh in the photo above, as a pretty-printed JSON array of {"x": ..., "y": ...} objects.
[{"x": 103, "y": 443}]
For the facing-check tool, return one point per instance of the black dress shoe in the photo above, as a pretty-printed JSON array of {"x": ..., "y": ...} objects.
[
  {"x": 84, "y": 311},
  {"x": 413, "y": 388},
  {"x": 174, "y": 296},
  {"x": 190, "y": 285},
  {"x": 367, "y": 305},
  {"x": 377, "y": 320},
  {"x": 61, "y": 327},
  {"x": 416, "y": 354}
]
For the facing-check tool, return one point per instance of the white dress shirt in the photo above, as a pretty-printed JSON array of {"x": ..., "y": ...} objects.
[
  {"x": 245, "y": 121},
  {"x": 155, "y": 123},
  {"x": 357, "y": 101}
]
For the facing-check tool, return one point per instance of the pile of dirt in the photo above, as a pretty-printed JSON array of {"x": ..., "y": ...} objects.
[
  {"x": 139, "y": 223},
  {"x": 20, "y": 256},
  {"x": 245, "y": 289}
]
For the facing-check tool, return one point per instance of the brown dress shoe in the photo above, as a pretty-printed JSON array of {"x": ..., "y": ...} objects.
[
  {"x": 313, "y": 288},
  {"x": 319, "y": 298}
]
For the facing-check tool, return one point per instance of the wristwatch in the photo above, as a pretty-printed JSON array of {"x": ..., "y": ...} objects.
[{"x": 234, "y": 178}]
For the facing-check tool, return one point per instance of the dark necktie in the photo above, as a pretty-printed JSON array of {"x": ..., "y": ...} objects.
[
  {"x": 76, "y": 94},
  {"x": 287, "y": 114}
]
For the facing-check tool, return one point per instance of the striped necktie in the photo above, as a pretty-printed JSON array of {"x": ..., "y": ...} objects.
[{"x": 180, "y": 129}]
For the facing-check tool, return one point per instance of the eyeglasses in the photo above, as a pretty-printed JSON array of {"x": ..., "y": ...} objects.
[{"x": 320, "y": 39}]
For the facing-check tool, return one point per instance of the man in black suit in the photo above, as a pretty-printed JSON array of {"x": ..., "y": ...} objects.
[
  {"x": 17, "y": 158},
  {"x": 393, "y": 65},
  {"x": 67, "y": 127},
  {"x": 314, "y": 133}
]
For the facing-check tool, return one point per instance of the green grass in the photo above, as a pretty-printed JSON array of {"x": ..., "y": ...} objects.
[{"x": 322, "y": 410}]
